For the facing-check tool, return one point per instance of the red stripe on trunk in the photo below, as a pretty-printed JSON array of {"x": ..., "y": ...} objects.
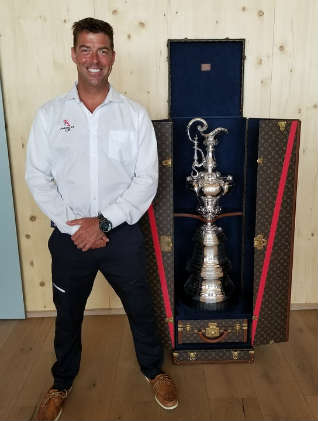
[{"x": 274, "y": 223}]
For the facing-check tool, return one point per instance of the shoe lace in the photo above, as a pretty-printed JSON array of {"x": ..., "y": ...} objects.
[
  {"x": 164, "y": 378},
  {"x": 53, "y": 394}
]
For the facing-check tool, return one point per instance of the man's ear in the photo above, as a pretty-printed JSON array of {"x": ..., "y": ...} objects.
[
  {"x": 114, "y": 55},
  {"x": 73, "y": 54}
]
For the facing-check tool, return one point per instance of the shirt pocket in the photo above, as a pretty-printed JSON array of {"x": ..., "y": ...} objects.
[{"x": 121, "y": 145}]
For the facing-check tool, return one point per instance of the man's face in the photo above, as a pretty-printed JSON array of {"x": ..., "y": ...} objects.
[{"x": 94, "y": 58}]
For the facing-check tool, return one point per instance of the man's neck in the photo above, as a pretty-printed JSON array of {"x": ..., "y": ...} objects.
[{"x": 92, "y": 96}]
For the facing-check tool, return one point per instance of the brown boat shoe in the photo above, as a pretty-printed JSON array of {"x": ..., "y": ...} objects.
[
  {"x": 51, "y": 406},
  {"x": 165, "y": 391}
]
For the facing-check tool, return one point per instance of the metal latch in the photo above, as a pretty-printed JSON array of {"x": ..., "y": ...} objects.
[
  {"x": 235, "y": 355},
  {"x": 212, "y": 331},
  {"x": 166, "y": 163},
  {"x": 188, "y": 327}
]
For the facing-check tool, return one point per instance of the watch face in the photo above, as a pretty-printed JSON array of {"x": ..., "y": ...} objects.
[{"x": 105, "y": 225}]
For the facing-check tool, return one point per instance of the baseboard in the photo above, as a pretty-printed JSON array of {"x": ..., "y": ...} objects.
[
  {"x": 304, "y": 306},
  {"x": 119, "y": 311},
  {"x": 95, "y": 312}
]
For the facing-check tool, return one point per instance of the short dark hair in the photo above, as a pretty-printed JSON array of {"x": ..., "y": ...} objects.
[{"x": 92, "y": 25}]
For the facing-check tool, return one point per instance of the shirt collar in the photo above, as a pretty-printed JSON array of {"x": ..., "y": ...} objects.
[{"x": 112, "y": 96}]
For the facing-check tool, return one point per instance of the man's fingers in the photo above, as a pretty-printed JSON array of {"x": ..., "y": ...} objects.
[
  {"x": 77, "y": 235},
  {"x": 80, "y": 244},
  {"x": 99, "y": 243},
  {"x": 84, "y": 241},
  {"x": 80, "y": 233}
]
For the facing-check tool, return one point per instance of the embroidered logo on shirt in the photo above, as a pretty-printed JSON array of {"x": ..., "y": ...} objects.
[{"x": 67, "y": 126}]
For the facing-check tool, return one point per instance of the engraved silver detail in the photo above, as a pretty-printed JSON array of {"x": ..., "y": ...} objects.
[{"x": 209, "y": 281}]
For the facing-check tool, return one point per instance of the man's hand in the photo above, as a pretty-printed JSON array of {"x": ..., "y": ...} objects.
[
  {"x": 100, "y": 243},
  {"x": 88, "y": 236}
]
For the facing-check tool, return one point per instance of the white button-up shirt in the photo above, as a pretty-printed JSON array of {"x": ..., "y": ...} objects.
[{"x": 81, "y": 163}]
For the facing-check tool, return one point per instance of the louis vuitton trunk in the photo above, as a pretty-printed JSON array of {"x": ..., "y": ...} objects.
[{"x": 257, "y": 215}]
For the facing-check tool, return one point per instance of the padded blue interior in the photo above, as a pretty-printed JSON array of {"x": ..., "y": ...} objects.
[
  {"x": 216, "y": 92},
  {"x": 250, "y": 205},
  {"x": 231, "y": 154},
  {"x": 215, "y": 96}
]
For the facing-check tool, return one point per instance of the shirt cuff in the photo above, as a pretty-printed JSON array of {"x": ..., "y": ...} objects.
[
  {"x": 74, "y": 228},
  {"x": 114, "y": 214},
  {"x": 67, "y": 229}
]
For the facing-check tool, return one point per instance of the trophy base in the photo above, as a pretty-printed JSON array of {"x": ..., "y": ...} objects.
[
  {"x": 198, "y": 306},
  {"x": 208, "y": 294}
]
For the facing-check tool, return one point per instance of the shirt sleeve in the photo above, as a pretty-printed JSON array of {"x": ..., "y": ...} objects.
[
  {"x": 134, "y": 202},
  {"x": 40, "y": 180}
]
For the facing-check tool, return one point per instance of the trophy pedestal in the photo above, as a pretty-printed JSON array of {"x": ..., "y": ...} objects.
[{"x": 209, "y": 282}]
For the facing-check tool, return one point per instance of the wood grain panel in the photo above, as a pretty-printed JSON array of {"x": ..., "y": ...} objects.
[
  {"x": 140, "y": 69},
  {"x": 280, "y": 81},
  {"x": 36, "y": 66},
  {"x": 294, "y": 94},
  {"x": 249, "y": 19}
]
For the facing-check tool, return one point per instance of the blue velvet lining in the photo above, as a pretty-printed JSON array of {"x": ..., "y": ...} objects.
[
  {"x": 214, "y": 95},
  {"x": 206, "y": 93},
  {"x": 250, "y": 206},
  {"x": 239, "y": 230}
]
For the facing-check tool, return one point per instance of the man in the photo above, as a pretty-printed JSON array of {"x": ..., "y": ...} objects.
[{"x": 92, "y": 168}]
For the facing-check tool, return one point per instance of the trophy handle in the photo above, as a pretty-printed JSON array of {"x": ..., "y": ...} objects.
[
  {"x": 200, "y": 128},
  {"x": 196, "y": 162}
]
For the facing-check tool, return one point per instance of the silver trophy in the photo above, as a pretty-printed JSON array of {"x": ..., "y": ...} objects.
[{"x": 209, "y": 281}]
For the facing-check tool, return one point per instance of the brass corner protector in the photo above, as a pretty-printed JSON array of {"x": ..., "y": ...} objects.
[
  {"x": 260, "y": 160},
  {"x": 282, "y": 125}
]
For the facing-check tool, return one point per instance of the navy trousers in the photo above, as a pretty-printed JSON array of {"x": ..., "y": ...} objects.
[{"x": 122, "y": 262}]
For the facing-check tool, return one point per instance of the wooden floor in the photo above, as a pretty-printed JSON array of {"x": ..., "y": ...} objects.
[{"x": 280, "y": 385}]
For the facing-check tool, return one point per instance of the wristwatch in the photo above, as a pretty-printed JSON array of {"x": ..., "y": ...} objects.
[{"x": 104, "y": 224}]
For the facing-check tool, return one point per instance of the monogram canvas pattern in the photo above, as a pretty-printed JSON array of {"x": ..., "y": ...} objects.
[
  {"x": 188, "y": 330},
  {"x": 213, "y": 356},
  {"x": 164, "y": 219},
  {"x": 273, "y": 319}
]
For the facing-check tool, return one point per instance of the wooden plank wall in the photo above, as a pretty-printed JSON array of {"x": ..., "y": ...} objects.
[{"x": 280, "y": 81}]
